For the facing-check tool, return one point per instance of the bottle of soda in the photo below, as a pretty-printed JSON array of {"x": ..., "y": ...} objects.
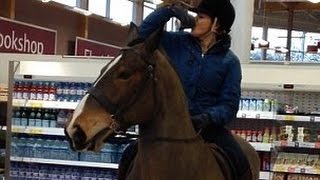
[
  {"x": 16, "y": 120},
  {"x": 52, "y": 91},
  {"x": 26, "y": 90},
  {"x": 33, "y": 91},
  {"x": 46, "y": 118},
  {"x": 19, "y": 90},
  {"x": 40, "y": 91},
  {"x": 45, "y": 91}
]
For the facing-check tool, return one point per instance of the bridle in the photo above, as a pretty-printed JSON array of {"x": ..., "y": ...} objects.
[{"x": 117, "y": 110}]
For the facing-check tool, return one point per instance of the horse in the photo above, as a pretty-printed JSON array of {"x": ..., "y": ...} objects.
[{"x": 140, "y": 87}]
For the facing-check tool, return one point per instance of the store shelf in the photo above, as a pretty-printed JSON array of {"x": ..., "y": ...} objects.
[
  {"x": 38, "y": 130},
  {"x": 264, "y": 175},
  {"x": 298, "y": 118},
  {"x": 297, "y": 144},
  {"x": 44, "y": 104},
  {"x": 298, "y": 170},
  {"x": 48, "y": 131},
  {"x": 261, "y": 146},
  {"x": 256, "y": 114},
  {"x": 65, "y": 162}
]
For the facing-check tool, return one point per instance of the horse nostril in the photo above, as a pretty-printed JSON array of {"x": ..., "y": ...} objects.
[{"x": 79, "y": 137}]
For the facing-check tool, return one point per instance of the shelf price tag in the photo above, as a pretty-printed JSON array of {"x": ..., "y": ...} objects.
[
  {"x": 36, "y": 131},
  {"x": 302, "y": 170},
  {"x": 258, "y": 116},
  {"x": 288, "y": 118},
  {"x": 312, "y": 119},
  {"x": 291, "y": 169},
  {"x": 243, "y": 115},
  {"x": 36, "y": 104}
]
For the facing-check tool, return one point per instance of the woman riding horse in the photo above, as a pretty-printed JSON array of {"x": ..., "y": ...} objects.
[{"x": 209, "y": 71}]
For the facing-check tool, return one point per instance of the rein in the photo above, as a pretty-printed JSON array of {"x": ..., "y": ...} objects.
[{"x": 116, "y": 110}]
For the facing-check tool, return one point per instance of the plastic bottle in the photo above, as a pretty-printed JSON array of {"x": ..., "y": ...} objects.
[
  {"x": 38, "y": 122},
  {"x": 61, "y": 117},
  {"x": 33, "y": 91},
  {"x": 45, "y": 91},
  {"x": 53, "y": 118},
  {"x": 266, "y": 135},
  {"x": 16, "y": 118},
  {"x": 26, "y": 90},
  {"x": 40, "y": 91},
  {"x": 66, "y": 91},
  {"x": 52, "y": 91},
  {"x": 24, "y": 117},
  {"x": 46, "y": 118},
  {"x": 19, "y": 90},
  {"x": 32, "y": 117},
  {"x": 59, "y": 91}
]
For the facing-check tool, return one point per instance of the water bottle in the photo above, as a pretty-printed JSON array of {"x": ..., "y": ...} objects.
[
  {"x": 16, "y": 119},
  {"x": 61, "y": 118},
  {"x": 33, "y": 91},
  {"x": 59, "y": 93},
  {"x": 52, "y": 92},
  {"x": 38, "y": 118},
  {"x": 26, "y": 90},
  {"x": 32, "y": 118},
  {"x": 46, "y": 118},
  {"x": 45, "y": 91},
  {"x": 53, "y": 118},
  {"x": 43, "y": 173},
  {"x": 40, "y": 91}
]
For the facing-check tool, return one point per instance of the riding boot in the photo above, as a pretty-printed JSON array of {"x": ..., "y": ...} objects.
[{"x": 126, "y": 160}]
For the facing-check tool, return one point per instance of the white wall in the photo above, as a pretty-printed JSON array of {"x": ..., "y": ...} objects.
[{"x": 241, "y": 29}]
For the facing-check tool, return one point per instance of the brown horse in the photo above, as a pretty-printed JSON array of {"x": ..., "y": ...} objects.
[{"x": 140, "y": 87}]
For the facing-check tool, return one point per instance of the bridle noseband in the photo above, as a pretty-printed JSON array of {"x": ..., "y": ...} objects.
[{"x": 115, "y": 109}]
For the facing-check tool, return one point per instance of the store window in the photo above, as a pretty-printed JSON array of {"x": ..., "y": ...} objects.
[
  {"x": 98, "y": 7},
  {"x": 121, "y": 11},
  {"x": 285, "y": 31}
]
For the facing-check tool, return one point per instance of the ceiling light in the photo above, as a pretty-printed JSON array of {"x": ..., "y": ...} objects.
[{"x": 314, "y": 1}]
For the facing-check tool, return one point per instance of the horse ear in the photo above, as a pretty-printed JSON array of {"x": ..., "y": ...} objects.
[
  {"x": 153, "y": 41},
  {"x": 133, "y": 32}
]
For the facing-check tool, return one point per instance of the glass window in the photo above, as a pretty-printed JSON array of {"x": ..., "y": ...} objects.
[
  {"x": 121, "y": 11},
  {"x": 98, "y": 7},
  {"x": 67, "y": 2},
  {"x": 273, "y": 20},
  {"x": 148, "y": 8}
]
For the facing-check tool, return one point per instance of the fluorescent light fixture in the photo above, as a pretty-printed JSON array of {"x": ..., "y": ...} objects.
[
  {"x": 82, "y": 11},
  {"x": 281, "y": 50},
  {"x": 314, "y": 1}
]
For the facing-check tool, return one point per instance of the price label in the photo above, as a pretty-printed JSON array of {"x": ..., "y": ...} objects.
[
  {"x": 36, "y": 131},
  {"x": 279, "y": 168},
  {"x": 302, "y": 170},
  {"x": 312, "y": 119},
  {"x": 257, "y": 116},
  {"x": 296, "y": 144},
  {"x": 283, "y": 143},
  {"x": 291, "y": 169},
  {"x": 243, "y": 115},
  {"x": 288, "y": 118},
  {"x": 36, "y": 104}
]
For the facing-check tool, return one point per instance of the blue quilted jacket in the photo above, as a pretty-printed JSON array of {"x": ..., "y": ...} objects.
[{"x": 212, "y": 80}]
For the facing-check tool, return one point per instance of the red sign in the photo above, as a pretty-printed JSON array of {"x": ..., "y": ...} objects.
[
  {"x": 86, "y": 47},
  {"x": 19, "y": 37}
]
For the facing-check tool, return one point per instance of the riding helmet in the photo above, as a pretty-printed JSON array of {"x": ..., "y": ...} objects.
[{"x": 222, "y": 9}]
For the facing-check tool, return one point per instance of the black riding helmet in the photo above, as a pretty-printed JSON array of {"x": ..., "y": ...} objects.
[{"x": 222, "y": 9}]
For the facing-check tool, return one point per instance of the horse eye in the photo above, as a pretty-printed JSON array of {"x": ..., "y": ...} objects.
[{"x": 125, "y": 75}]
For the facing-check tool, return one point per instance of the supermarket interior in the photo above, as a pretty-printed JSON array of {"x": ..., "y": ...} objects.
[{"x": 52, "y": 52}]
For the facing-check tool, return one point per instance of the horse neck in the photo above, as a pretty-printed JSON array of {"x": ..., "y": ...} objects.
[{"x": 172, "y": 116}]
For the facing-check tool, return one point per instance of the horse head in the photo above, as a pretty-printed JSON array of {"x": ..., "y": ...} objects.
[{"x": 121, "y": 96}]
